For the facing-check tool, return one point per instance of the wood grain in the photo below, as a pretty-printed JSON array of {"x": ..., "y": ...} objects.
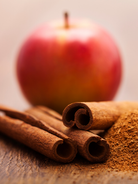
[{"x": 20, "y": 164}]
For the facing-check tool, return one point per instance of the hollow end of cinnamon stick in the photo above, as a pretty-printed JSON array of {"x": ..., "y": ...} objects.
[
  {"x": 77, "y": 114},
  {"x": 65, "y": 151},
  {"x": 90, "y": 146},
  {"x": 96, "y": 149}
]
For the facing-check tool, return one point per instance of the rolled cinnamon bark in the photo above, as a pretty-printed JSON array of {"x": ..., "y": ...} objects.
[
  {"x": 27, "y": 118},
  {"x": 95, "y": 115},
  {"x": 50, "y": 143},
  {"x": 90, "y": 146}
]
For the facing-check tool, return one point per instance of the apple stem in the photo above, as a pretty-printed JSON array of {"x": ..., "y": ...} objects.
[{"x": 66, "y": 20}]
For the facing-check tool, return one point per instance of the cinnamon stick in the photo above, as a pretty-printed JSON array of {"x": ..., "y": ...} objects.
[
  {"x": 95, "y": 115},
  {"x": 50, "y": 143},
  {"x": 90, "y": 146}
]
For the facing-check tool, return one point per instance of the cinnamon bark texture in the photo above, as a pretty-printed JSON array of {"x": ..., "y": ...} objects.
[
  {"x": 95, "y": 115},
  {"x": 90, "y": 146},
  {"x": 50, "y": 143}
]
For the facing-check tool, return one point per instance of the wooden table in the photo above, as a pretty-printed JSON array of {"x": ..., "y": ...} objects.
[{"x": 20, "y": 164}]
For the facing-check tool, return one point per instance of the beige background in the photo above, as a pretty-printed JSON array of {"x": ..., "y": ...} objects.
[{"x": 19, "y": 17}]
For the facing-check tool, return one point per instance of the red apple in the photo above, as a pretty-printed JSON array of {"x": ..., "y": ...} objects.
[{"x": 61, "y": 63}]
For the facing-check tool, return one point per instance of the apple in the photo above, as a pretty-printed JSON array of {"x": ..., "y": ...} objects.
[{"x": 69, "y": 61}]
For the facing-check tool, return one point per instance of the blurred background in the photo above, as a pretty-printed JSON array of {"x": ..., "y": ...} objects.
[{"x": 18, "y": 18}]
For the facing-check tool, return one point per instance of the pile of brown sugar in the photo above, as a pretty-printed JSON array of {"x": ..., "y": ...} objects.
[{"x": 123, "y": 140}]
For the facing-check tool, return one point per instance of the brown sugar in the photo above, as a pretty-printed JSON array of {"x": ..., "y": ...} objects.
[{"x": 123, "y": 140}]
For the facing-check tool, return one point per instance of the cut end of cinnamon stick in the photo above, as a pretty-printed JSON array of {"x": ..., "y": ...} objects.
[
  {"x": 77, "y": 114},
  {"x": 97, "y": 149},
  {"x": 65, "y": 151},
  {"x": 90, "y": 146}
]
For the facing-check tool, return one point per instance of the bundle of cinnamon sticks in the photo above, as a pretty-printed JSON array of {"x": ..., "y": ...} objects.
[{"x": 61, "y": 137}]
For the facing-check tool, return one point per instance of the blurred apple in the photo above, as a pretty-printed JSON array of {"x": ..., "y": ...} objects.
[{"x": 65, "y": 62}]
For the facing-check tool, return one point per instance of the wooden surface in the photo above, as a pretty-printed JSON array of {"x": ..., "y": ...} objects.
[{"x": 20, "y": 164}]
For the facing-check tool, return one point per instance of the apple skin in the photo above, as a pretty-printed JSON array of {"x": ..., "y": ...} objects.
[{"x": 57, "y": 66}]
